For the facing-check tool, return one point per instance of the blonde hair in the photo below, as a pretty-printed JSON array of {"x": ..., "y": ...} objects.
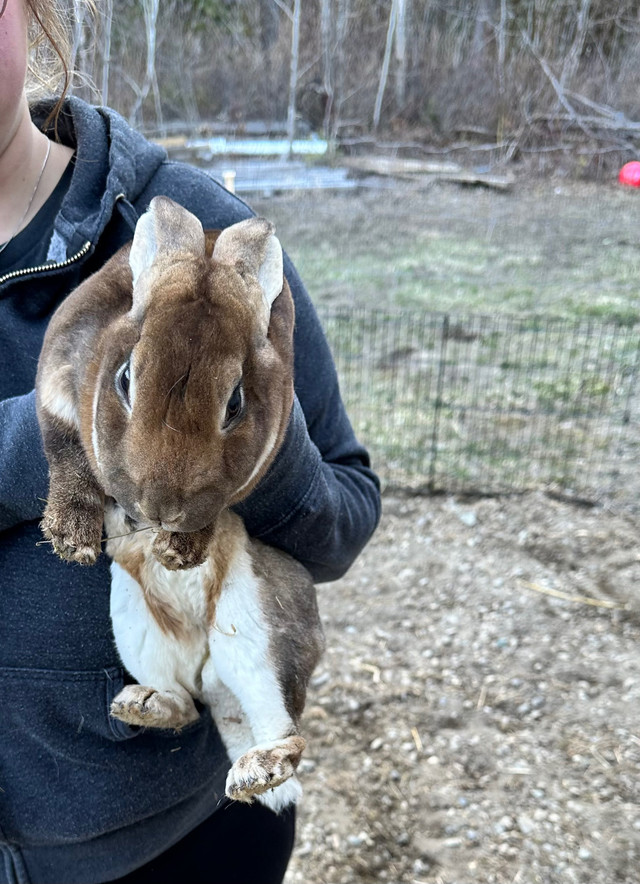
[
  {"x": 49, "y": 50},
  {"x": 50, "y": 53}
]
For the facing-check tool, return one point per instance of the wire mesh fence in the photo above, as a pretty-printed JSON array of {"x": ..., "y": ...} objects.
[{"x": 488, "y": 405}]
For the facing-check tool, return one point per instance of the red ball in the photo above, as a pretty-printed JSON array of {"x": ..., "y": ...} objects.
[{"x": 630, "y": 174}]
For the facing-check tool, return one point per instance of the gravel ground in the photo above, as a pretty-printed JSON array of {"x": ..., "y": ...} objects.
[{"x": 476, "y": 715}]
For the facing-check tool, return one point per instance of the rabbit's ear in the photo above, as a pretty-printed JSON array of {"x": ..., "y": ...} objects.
[
  {"x": 252, "y": 247},
  {"x": 165, "y": 229}
]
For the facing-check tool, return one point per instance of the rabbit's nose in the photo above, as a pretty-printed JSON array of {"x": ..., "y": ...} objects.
[
  {"x": 160, "y": 514},
  {"x": 173, "y": 523},
  {"x": 146, "y": 515}
]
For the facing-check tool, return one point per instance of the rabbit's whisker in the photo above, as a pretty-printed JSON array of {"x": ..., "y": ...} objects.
[
  {"x": 127, "y": 533},
  {"x": 183, "y": 377},
  {"x": 174, "y": 385},
  {"x": 107, "y": 539}
]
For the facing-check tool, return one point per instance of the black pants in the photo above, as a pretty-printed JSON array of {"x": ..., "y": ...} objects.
[{"x": 239, "y": 844}]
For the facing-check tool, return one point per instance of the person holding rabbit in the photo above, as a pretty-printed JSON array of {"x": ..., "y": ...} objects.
[{"x": 83, "y": 797}]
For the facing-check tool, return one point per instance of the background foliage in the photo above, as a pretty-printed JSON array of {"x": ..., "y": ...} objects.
[{"x": 492, "y": 68}]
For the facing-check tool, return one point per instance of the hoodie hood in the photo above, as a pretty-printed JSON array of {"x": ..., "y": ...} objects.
[{"x": 113, "y": 162}]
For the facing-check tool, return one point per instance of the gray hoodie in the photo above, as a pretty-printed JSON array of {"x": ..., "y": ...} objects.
[{"x": 84, "y": 798}]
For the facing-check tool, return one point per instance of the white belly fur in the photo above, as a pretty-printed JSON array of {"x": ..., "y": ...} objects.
[
  {"x": 147, "y": 652},
  {"x": 225, "y": 664}
]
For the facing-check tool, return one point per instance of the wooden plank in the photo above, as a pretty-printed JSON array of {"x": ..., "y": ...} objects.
[
  {"x": 427, "y": 170},
  {"x": 400, "y": 166}
]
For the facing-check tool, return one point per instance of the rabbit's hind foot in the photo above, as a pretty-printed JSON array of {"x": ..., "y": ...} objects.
[
  {"x": 262, "y": 769},
  {"x": 147, "y": 707}
]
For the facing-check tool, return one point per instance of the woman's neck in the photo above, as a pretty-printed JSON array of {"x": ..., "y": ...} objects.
[{"x": 29, "y": 172}]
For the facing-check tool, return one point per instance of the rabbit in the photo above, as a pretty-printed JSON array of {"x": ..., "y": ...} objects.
[{"x": 163, "y": 393}]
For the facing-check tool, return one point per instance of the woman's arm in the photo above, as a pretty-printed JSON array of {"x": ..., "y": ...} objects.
[{"x": 23, "y": 467}]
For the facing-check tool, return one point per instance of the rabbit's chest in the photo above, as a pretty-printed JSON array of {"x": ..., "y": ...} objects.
[{"x": 154, "y": 609}]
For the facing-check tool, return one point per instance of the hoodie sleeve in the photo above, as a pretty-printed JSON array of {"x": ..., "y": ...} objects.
[
  {"x": 23, "y": 467},
  {"x": 320, "y": 500}
]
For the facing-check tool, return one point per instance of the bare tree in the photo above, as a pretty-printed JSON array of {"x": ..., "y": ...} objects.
[
  {"x": 326, "y": 33},
  {"x": 150, "y": 10},
  {"x": 384, "y": 73},
  {"x": 482, "y": 24},
  {"x": 572, "y": 60},
  {"x": 401, "y": 53},
  {"x": 502, "y": 48},
  {"x": 106, "y": 49},
  {"x": 82, "y": 51},
  {"x": 294, "y": 16},
  {"x": 341, "y": 30},
  {"x": 78, "y": 32}
]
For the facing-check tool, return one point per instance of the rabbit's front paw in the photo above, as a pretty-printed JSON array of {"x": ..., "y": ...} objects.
[
  {"x": 263, "y": 768},
  {"x": 75, "y": 532},
  {"x": 180, "y": 551}
]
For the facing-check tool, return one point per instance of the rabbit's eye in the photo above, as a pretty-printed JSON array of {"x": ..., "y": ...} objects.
[
  {"x": 235, "y": 406},
  {"x": 123, "y": 383}
]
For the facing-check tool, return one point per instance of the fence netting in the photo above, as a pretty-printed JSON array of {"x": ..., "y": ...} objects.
[{"x": 482, "y": 404}]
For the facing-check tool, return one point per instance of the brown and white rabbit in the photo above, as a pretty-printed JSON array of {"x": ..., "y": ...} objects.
[{"x": 164, "y": 390}]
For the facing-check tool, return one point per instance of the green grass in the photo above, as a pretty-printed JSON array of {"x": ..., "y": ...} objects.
[
  {"x": 453, "y": 249},
  {"x": 445, "y": 274}
]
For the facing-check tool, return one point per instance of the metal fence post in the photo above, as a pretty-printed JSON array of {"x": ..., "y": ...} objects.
[
  {"x": 438, "y": 404},
  {"x": 631, "y": 390}
]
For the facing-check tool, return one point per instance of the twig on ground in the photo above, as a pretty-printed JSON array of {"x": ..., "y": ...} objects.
[{"x": 567, "y": 597}]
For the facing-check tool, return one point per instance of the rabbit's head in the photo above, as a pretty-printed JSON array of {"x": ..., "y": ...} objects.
[{"x": 191, "y": 395}]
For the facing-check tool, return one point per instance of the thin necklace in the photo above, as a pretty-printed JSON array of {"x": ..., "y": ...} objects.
[{"x": 35, "y": 190}]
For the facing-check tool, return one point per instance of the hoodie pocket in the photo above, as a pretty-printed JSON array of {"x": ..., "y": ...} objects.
[
  {"x": 69, "y": 771},
  {"x": 65, "y": 703}
]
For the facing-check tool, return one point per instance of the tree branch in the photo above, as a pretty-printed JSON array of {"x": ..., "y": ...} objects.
[
  {"x": 282, "y": 6},
  {"x": 557, "y": 88}
]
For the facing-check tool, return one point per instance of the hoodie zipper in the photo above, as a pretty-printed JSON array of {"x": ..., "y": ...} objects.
[{"x": 26, "y": 271}]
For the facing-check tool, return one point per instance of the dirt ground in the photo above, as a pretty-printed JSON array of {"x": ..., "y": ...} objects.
[{"x": 476, "y": 715}]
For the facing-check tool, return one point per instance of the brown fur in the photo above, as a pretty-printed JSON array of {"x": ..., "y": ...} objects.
[
  {"x": 222, "y": 551},
  {"x": 294, "y": 620},
  {"x": 165, "y": 615}
]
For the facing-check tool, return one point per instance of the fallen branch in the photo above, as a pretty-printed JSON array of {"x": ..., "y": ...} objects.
[
  {"x": 603, "y": 109},
  {"x": 424, "y": 170},
  {"x": 606, "y": 123}
]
